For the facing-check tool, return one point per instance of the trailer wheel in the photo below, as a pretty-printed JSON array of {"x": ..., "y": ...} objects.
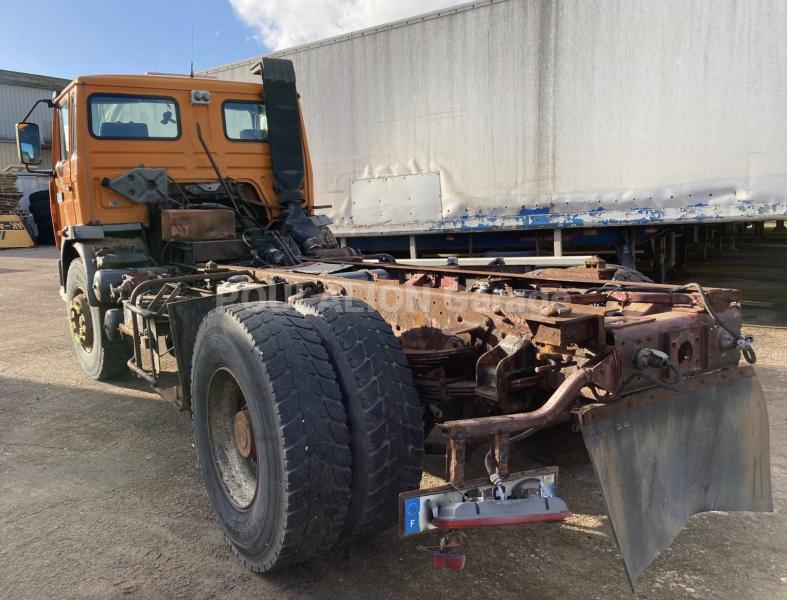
[
  {"x": 383, "y": 409},
  {"x": 271, "y": 433},
  {"x": 98, "y": 356}
]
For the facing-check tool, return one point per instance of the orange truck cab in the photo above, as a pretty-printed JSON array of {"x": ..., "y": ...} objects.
[
  {"x": 155, "y": 174},
  {"x": 106, "y": 125}
]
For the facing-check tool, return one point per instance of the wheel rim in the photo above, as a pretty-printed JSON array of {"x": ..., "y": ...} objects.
[
  {"x": 232, "y": 441},
  {"x": 80, "y": 320}
]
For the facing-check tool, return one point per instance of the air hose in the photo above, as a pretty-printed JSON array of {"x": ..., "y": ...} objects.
[
  {"x": 744, "y": 344},
  {"x": 646, "y": 358}
]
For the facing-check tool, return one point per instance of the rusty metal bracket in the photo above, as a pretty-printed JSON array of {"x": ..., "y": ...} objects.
[
  {"x": 497, "y": 370},
  {"x": 306, "y": 290},
  {"x": 500, "y": 448},
  {"x": 455, "y": 457}
]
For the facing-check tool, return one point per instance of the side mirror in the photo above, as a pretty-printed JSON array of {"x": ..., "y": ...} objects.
[{"x": 28, "y": 142}]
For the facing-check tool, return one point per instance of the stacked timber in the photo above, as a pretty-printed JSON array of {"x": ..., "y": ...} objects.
[{"x": 9, "y": 195}]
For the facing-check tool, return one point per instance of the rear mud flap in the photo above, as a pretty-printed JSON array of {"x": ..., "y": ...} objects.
[{"x": 663, "y": 456}]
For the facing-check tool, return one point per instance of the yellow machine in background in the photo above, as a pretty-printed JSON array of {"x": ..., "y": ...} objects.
[{"x": 13, "y": 233}]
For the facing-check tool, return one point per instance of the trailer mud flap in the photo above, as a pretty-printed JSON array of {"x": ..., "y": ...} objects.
[{"x": 663, "y": 456}]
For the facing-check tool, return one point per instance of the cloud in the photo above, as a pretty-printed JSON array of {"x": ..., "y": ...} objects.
[{"x": 284, "y": 23}]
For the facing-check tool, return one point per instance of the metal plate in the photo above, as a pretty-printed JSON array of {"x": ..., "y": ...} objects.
[
  {"x": 197, "y": 224},
  {"x": 396, "y": 200},
  {"x": 320, "y": 268},
  {"x": 676, "y": 454}
]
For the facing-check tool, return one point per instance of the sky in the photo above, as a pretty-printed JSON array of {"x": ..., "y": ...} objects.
[{"x": 66, "y": 38}]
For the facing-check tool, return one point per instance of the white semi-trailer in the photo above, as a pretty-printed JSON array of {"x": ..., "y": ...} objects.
[{"x": 613, "y": 122}]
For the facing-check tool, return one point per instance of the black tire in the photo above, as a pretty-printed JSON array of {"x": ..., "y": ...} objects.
[
  {"x": 383, "y": 409},
  {"x": 98, "y": 356},
  {"x": 627, "y": 274},
  {"x": 39, "y": 208},
  {"x": 290, "y": 502}
]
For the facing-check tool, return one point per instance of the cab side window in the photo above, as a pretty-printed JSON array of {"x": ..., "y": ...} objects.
[
  {"x": 245, "y": 121},
  {"x": 65, "y": 130}
]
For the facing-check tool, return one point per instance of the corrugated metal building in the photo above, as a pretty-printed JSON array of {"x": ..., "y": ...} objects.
[{"x": 18, "y": 92}]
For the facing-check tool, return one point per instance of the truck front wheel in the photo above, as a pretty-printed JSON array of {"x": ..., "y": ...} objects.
[
  {"x": 271, "y": 433},
  {"x": 98, "y": 356}
]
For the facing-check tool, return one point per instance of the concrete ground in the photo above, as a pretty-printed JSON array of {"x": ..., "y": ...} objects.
[{"x": 100, "y": 495}]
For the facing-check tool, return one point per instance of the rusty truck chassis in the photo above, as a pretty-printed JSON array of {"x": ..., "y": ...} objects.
[
  {"x": 499, "y": 355},
  {"x": 541, "y": 351}
]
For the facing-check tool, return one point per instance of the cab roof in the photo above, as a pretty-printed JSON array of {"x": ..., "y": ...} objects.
[{"x": 165, "y": 82}]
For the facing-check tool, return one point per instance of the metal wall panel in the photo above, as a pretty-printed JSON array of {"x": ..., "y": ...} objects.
[
  {"x": 15, "y": 101},
  {"x": 555, "y": 114},
  {"x": 27, "y": 184},
  {"x": 9, "y": 156}
]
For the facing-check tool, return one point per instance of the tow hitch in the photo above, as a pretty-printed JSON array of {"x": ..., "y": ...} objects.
[{"x": 525, "y": 497}]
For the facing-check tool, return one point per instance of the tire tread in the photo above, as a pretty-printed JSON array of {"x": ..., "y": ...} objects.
[{"x": 383, "y": 409}]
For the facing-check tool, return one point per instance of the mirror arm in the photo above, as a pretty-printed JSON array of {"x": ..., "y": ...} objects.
[
  {"x": 39, "y": 171},
  {"x": 49, "y": 103}
]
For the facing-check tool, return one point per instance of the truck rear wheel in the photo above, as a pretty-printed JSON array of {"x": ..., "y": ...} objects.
[
  {"x": 271, "y": 433},
  {"x": 98, "y": 356},
  {"x": 383, "y": 409}
]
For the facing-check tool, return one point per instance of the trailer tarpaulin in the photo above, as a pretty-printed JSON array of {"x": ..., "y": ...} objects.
[{"x": 534, "y": 113}]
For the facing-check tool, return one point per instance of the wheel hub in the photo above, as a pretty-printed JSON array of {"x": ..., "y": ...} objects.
[
  {"x": 232, "y": 438},
  {"x": 244, "y": 433},
  {"x": 80, "y": 321}
]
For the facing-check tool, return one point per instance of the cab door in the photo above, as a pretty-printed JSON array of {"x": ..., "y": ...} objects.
[{"x": 62, "y": 154}]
